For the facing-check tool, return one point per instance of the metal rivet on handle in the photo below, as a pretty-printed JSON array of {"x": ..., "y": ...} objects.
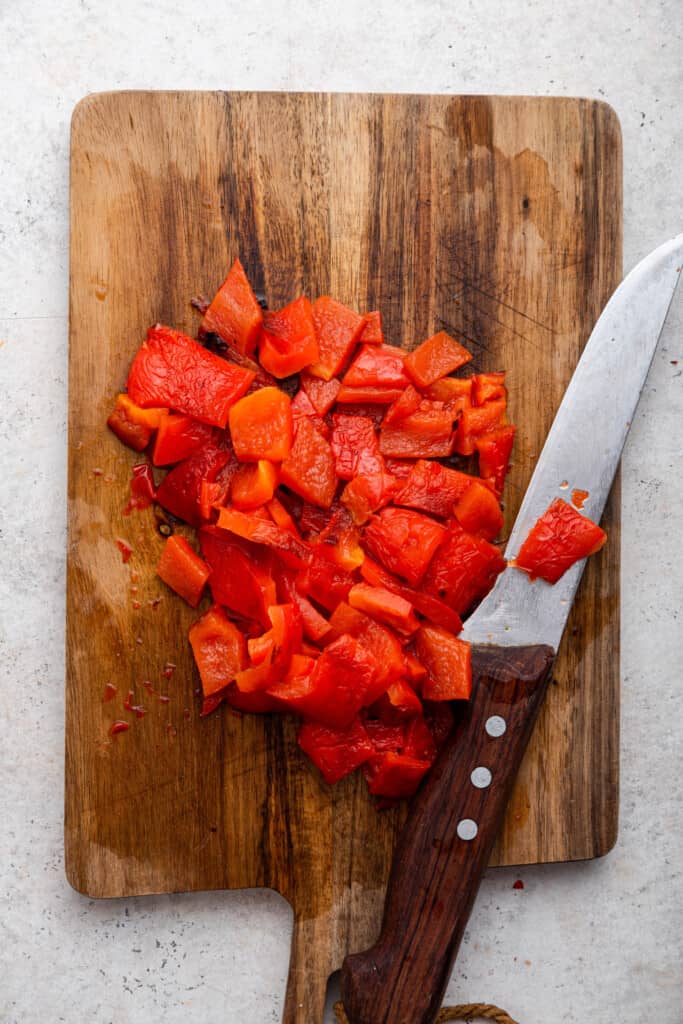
[
  {"x": 481, "y": 777},
  {"x": 467, "y": 829},
  {"x": 495, "y": 726}
]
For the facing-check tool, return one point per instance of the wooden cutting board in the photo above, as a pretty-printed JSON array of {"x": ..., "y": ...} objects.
[{"x": 498, "y": 219}]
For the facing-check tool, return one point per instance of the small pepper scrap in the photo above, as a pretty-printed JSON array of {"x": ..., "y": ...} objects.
[{"x": 339, "y": 553}]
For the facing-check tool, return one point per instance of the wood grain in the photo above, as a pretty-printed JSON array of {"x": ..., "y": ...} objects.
[
  {"x": 436, "y": 873},
  {"x": 498, "y": 219}
]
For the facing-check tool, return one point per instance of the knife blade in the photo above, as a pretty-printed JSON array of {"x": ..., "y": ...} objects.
[{"x": 446, "y": 842}]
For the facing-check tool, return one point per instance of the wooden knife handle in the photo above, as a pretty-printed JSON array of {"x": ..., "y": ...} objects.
[{"x": 446, "y": 843}]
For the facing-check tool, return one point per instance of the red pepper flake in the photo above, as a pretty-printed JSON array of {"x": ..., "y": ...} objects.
[
  {"x": 118, "y": 726},
  {"x": 168, "y": 670},
  {"x": 578, "y": 498},
  {"x": 139, "y": 710},
  {"x": 125, "y": 549},
  {"x": 128, "y": 702},
  {"x": 142, "y": 489},
  {"x": 519, "y": 884},
  {"x": 109, "y": 693}
]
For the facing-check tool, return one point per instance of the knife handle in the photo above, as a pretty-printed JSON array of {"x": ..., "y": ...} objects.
[{"x": 446, "y": 843}]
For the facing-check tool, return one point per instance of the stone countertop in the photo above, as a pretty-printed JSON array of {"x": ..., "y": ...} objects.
[{"x": 597, "y": 941}]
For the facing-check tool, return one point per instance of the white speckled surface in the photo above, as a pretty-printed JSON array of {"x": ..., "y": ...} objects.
[{"x": 597, "y": 942}]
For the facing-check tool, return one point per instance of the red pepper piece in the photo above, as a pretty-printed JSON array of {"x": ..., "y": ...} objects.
[
  {"x": 379, "y": 366},
  {"x": 261, "y": 426},
  {"x": 433, "y": 488},
  {"x": 321, "y": 393},
  {"x": 297, "y": 692},
  {"x": 335, "y": 752},
  {"x": 457, "y": 391},
  {"x": 559, "y": 538},
  {"x": 415, "y": 670},
  {"x": 309, "y": 468},
  {"x": 372, "y": 333},
  {"x": 426, "y": 604},
  {"x": 408, "y": 403},
  {"x": 324, "y": 579},
  {"x": 463, "y": 570},
  {"x": 271, "y": 654},
  {"x": 142, "y": 488},
  {"x": 434, "y": 358},
  {"x": 314, "y": 520},
  {"x": 487, "y": 387},
  {"x": 384, "y": 735},
  {"x": 173, "y": 370},
  {"x": 240, "y": 574},
  {"x": 494, "y": 451},
  {"x": 177, "y": 438},
  {"x": 440, "y": 719},
  {"x": 254, "y": 484},
  {"x": 394, "y": 775},
  {"x": 235, "y": 314},
  {"x": 385, "y": 606},
  {"x": 134, "y": 435},
  {"x": 379, "y": 640},
  {"x": 398, "y": 703},
  {"x": 183, "y": 570},
  {"x": 281, "y": 517},
  {"x": 219, "y": 651},
  {"x": 475, "y": 422},
  {"x": 263, "y": 531},
  {"x": 426, "y": 433},
  {"x": 288, "y": 340},
  {"x": 258, "y": 701},
  {"x": 368, "y": 493},
  {"x": 338, "y": 330},
  {"x": 478, "y": 511},
  {"x": 315, "y": 626},
  {"x": 355, "y": 447},
  {"x": 368, "y": 394},
  {"x": 399, "y": 468},
  {"x": 342, "y": 682},
  {"x": 419, "y": 742},
  {"x": 448, "y": 664},
  {"x": 403, "y": 541},
  {"x": 302, "y": 405},
  {"x": 136, "y": 414},
  {"x": 180, "y": 490}
]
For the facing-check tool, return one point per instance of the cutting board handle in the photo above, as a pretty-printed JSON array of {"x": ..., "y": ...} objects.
[
  {"x": 446, "y": 843},
  {"x": 309, "y": 971}
]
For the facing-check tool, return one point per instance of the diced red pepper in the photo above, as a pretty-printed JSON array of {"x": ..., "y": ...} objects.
[
  {"x": 419, "y": 741},
  {"x": 408, "y": 403},
  {"x": 434, "y": 488},
  {"x": 183, "y": 570},
  {"x": 253, "y": 484},
  {"x": 180, "y": 490},
  {"x": 272, "y": 653},
  {"x": 321, "y": 393},
  {"x": 142, "y": 488},
  {"x": 385, "y": 606},
  {"x": 219, "y": 651},
  {"x": 336, "y": 752},
  {"x": 478, "y": 511},
  {"x": 384, "y": 735},
  {"x": 341, "y": 683},
  {"x": 264, "y": 531},
  {"x": 379, "y": 366},
  {"x": 235, "y": 314},
  {"x": 150, "y": 418},
  {"x": 426, "y": 604},
  {"x": 347, "y": 552},
  {"x": 261, "y": 426},
  {"x": 403, "y": 541},
  {"x": 440, "y": 719},
  {"x": 177, "y": 438},
  {"x": 240, "y": 574},
  {"x": 494, "y": 451},
  {"x": 476, "y": 421},
  {"x": 379, "y": 640},
  {"x": 302, "y": 405},
  {"x": 463, "y": 570},
  {"x": 371, "y": 410},
  {"x": 309, "y": 468},
  {"x": 256, "y": 702},
  {"x": 288, "y": 340},
  {"x": 457, "y": 391},
  {"x": 338, "y": 330},
  {"x": 398, "y": 703},
  {"x": 561, "y": 537},
  {"x": 434, "y": 358},
  {"x": 173, "y": 370},
  {"x": 399, "y": 468},
  {"x": 372, "y": 333},
  {"x": 279, "y": 514},
  {"x": 486, "y": 387},
  {"x": 324, "y": 579},
  {"x": 315, "y": 626},
  {"x": 426, "y": 433},
  {"x": 368, "y": 493},
  {"x": 355, "y": 446},
  {"x": 134, "y": 435},
  {"x": 394, "y": 775},
  {"x": 416, "y": 671},
  {"x": 367, "y": 395},
  {"x": 448, "y": 664}
]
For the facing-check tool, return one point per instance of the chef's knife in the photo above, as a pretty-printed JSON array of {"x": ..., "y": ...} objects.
[{"x": 515, "y": 632}]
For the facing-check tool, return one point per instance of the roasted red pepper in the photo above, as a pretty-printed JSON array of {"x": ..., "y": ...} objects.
[
  {"x": 434, "y": 358},
  {"x": 288, "y": 341},
  {"x": 309, "y": 468},
  {"x": 220, "y": 653},
  {"x": 448, "y": 664},
  {"x": 494, "y": 451},
  {"x": 338, "y": 330},
  {"x": 261, "y": 426},
  {"x": 403, "y": 541},
  {"x": 432, "y": 487},
  {"x": 395, "y": 775},
  {"x": 174, "y": 371},
  {"x": 235, "y": 313},
  {"x": 478, "y": 511},
  {"x": 322, "y": 394},
  {"x": 336, "y": 752},
  {"x": 385, "y": 606},
  {"x": 372, "y": 333},
  {"x": 424, "y": 434},
  {"x": 254, "y": 484},
  {"x": 241, "y": 574},
  {"x": 426, "y": 604},
  {"x": 477, "y": 421},
  {"x": 183, "y": 570},
  {"x": 559, "y": 538},
  {"x": 177, "y": 438},
  {"x": 380, "y": 366},
  {"x": 463, "y": 570},
  {"x": 132, "y": 424},
  {"x": 180, "y": 490},
  {"x": 264, "y": 531}
]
